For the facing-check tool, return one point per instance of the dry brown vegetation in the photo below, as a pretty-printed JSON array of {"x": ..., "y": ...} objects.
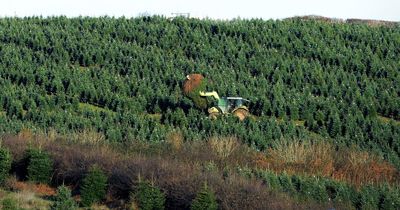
[
  {"x": 181, "y": 168},
  {"x": 28, "y": 200},
  {"x": 323, "y": 159},
  {"x": 178, "y": 170},
  {"x": 14, "y": 184}
]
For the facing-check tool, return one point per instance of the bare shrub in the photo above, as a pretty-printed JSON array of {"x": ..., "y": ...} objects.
[
  {"x": 360, "y": 167},
  {"x": 320, "y": 158},
  {"x": 26, "y": 133},
  {"x": 175, "y": 140},
  {"x": 88, "y": 136},
  {"x": 196, "y": 151},
  {"x": 71, "y": 161},
  {"x": 17, "y": 147},
  {"x": 11, "y": 183},
  {"x": 296, "y": 156},
  {"x": 290, "y": 151},
  {"x": 52, "y": 134},
  {"x": 223, "y": 146}
]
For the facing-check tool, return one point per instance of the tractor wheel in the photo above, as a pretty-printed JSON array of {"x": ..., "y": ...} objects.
[
  {"x": 213, "y": 115},
  {"x": 241, "y": 113}
]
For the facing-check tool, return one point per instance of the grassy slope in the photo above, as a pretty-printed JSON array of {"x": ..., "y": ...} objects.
[{"x": 24, "y": 199}]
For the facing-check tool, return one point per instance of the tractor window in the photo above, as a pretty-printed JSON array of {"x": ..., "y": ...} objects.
[{"x": 239, "y": 103}]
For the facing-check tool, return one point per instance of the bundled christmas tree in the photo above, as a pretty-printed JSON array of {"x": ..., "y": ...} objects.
[{"x": 193, "y": 84}]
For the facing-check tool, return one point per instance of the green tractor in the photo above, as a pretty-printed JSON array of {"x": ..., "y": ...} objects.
[
  {"x": 237, "y": 106},
  {"x": 194, "y": 87}
]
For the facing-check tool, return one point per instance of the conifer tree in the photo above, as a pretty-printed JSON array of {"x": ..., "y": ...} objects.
[
  {"x": 5, "y": 164},
  {"x": 205, "y": 200},
  {"x": 94, "y": 186},
  {"x": 63, "y": 199},
  {"x": 149, "y": 197},
  {"x": 40, "y": 166}
]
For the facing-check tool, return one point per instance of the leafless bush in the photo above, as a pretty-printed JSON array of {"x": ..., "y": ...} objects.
[
  {"x": 290, "y": 151},
  {"x": 320, "y": 158},
  {"x": 360, "y": 167},
  {"x": 223, "y": 146},
  {"x": 175, "y": 140},
  {"x": 87, "y": 136}
]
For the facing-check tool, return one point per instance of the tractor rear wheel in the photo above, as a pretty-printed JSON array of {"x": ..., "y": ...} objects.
[{"x": 241, "y": 113}]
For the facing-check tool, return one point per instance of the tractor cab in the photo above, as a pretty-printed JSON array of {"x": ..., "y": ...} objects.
[{"x": 230, "y": 104}]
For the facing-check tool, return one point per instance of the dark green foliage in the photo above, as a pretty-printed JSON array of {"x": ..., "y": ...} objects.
[
  {"x": 149, "y": 197},
  {"x": 199, "y": 101},
  {"x": 107, "y": 74},
  {"x": 286, "y": 183},
  {"x": 5, "y": 164},
  {"x": 63, "y": 199},
  {"x": 311, "y": 188},
  {"x": 9, "y": 204},
  {"x": 340, "y": 192},
  {"x": 334, "y": 126},
  {"x": 390, "y": 198},
  {"x": 205, "y": 200},
  {"x": 369, "y": 197},
  {"x": 113, "y": 135},
  {"x": 323, "y": 189},
  {"x": 271, "y": 179},
  {"x": 40, "y": 166},
  {"x": 94, "y": 186}
]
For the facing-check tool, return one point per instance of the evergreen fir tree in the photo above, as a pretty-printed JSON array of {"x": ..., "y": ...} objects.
[
  {"x": 149, "y": 197},
  {"x": 40, "y": 166},
  {"x": 63, "y": 199},
  {"x": 5, "y": 164},
  {"x": 94, "y": 186},
  {"x": 205, "y": 200}
]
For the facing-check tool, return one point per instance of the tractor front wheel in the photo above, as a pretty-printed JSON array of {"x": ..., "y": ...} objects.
[{"x": 213, "y": 115}]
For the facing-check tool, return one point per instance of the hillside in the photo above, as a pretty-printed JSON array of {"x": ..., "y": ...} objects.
[{"x": 309, "y": 81}]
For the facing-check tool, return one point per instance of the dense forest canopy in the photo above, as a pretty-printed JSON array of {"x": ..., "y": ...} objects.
[{"x": 305, "y": 78}]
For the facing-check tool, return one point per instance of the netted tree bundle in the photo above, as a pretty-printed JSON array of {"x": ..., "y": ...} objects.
[{"x": 193, "y": 84}]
